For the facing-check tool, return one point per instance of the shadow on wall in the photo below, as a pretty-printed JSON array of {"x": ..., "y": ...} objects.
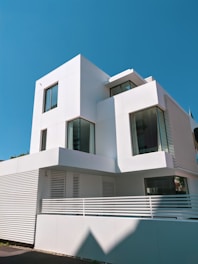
[{"x": 154, "y": 241}]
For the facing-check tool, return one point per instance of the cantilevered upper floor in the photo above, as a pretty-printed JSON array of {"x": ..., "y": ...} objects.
[{"x": 125, "y": 117}]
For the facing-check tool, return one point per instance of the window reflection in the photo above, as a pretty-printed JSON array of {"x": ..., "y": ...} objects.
[
  {"x": 122, "y": 88},
  {"x": 169, "y": 185},
  {"x": 148, "y": 131},
  {"x": 51, "y": 97},
  {"x": 81, "y": 135}
]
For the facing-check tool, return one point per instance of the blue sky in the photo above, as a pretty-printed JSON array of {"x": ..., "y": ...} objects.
[{"x": 154, "y": 37}]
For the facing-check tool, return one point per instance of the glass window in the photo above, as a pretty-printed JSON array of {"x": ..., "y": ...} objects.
[
  {"x": 148, "y": 131},
  {"x": 122, "y": 88},
  {"x": 43, "y": 139},
  {"x": 51, "y": 96},
  {"x": 169, "y": 185},
  {"x": 81, "y": 135}
]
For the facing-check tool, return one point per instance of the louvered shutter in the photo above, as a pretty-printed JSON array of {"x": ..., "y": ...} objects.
[{"x": 58, "y": 182}]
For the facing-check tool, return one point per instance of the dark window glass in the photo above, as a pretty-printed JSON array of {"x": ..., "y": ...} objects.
[
  {"x": 81, "y": 135},
  {"x": 51, "y": 96},
  {"x": 148, "y": 131},
  {"x": 169, "y": 185},
  {"x": 122, "y": 88},
  {"x": 43, "y": 139}
]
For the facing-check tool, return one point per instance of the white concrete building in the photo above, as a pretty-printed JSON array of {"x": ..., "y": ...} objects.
[{"x": 94, "y": 135}]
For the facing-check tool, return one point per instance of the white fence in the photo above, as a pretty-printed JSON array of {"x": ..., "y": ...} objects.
[{"x": 165, "y": 206}]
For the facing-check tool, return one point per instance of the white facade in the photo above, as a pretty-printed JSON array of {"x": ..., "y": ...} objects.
[
  {"x": 88, "y": 140},
  {"x": 80, "y": 87},
  {"x": 84, "y": 92}
]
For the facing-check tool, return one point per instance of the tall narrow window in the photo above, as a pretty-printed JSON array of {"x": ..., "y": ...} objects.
[
  {"x": 51, "y": 95},
  {"x": 148, "y": 131},
  {"x": 76, "y": 185},
  {"x": 43, "y": 139},
  {"x": 81, "y": 135}
]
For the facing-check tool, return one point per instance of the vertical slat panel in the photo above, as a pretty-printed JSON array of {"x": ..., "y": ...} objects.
[
  {"x": 58, "y": 181},
  {"x": 169, "y": 135},
  {"x": 181, "y": 136},
  {"x": 108, "y": 188},
  {"x": 75, "y": 185},
  {"x": 18, "y": 200}
]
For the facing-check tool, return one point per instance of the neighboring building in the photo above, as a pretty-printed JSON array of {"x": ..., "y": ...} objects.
[{"x": 97, "y": 136}]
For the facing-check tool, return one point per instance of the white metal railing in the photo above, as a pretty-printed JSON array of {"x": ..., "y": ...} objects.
[{"x": 159, "y": 206}]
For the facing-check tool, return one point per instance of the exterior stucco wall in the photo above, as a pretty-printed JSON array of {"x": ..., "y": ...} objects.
[
  {"x": 193, "y": 184},
  {"x": 89, "y": 184},
  {"x": 106, "y": 129},
  {"x": 113, "y": 135},
  {"x": 80, "y": 87},
  {"x": 142, "y": 97},
  {"x": 92, "y": 89},
  {"x": 68, "y": 107},
  {"x": 131, "y": 184},
  {"x": 119, "y": 240}
]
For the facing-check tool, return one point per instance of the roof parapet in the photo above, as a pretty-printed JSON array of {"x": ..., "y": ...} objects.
[{"x": 127, "y": 75}]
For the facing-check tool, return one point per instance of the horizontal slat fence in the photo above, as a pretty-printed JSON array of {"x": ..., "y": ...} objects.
[{"x": 165, "y": 206}]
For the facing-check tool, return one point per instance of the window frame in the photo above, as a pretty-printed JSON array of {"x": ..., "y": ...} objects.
[
  {"x": 68, "y": 133},
  {"x": 132, "y": 85},
  {"x": 174, "y": 181},
  {"x": 51, "y": 105},
  {"x": 162, "y": 137},
  {"x": 43, "y": 140}
]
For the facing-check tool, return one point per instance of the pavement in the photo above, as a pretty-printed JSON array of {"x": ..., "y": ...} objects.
[{"x": 19, "y": 255}]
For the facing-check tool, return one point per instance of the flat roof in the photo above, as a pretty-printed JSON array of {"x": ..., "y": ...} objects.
[{"x": 128, "y": 75}]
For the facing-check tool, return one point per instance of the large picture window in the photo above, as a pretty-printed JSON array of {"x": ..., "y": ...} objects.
[
  {"x": 148, "y": 131},
  {"x": 81, "y": 135},
  {"x": 51, "y": 96},
  {"x": 169, "y": 185}
]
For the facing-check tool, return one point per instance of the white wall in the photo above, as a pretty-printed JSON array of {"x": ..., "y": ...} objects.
[
  {"x": 193, "y": 184},
  {"x": 130, "y": 184},
  {"x": 80, "y": 87},
  {"x": 113, "y": 135},
  {"x": 125, "y": 103},
  {"x": 119, "y": 240},
  {"x": 30, "y": 162},
  {"x": 83, "y": 160},
  {"x": 90, "y": 185},
  {"x": 68, "y": 78},
  {"x": 92, "y": 90},
  {"x": 105, "y": 129}
]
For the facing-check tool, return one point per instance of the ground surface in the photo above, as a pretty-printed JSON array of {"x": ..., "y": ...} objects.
[{"x": 15, "y": 255}]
